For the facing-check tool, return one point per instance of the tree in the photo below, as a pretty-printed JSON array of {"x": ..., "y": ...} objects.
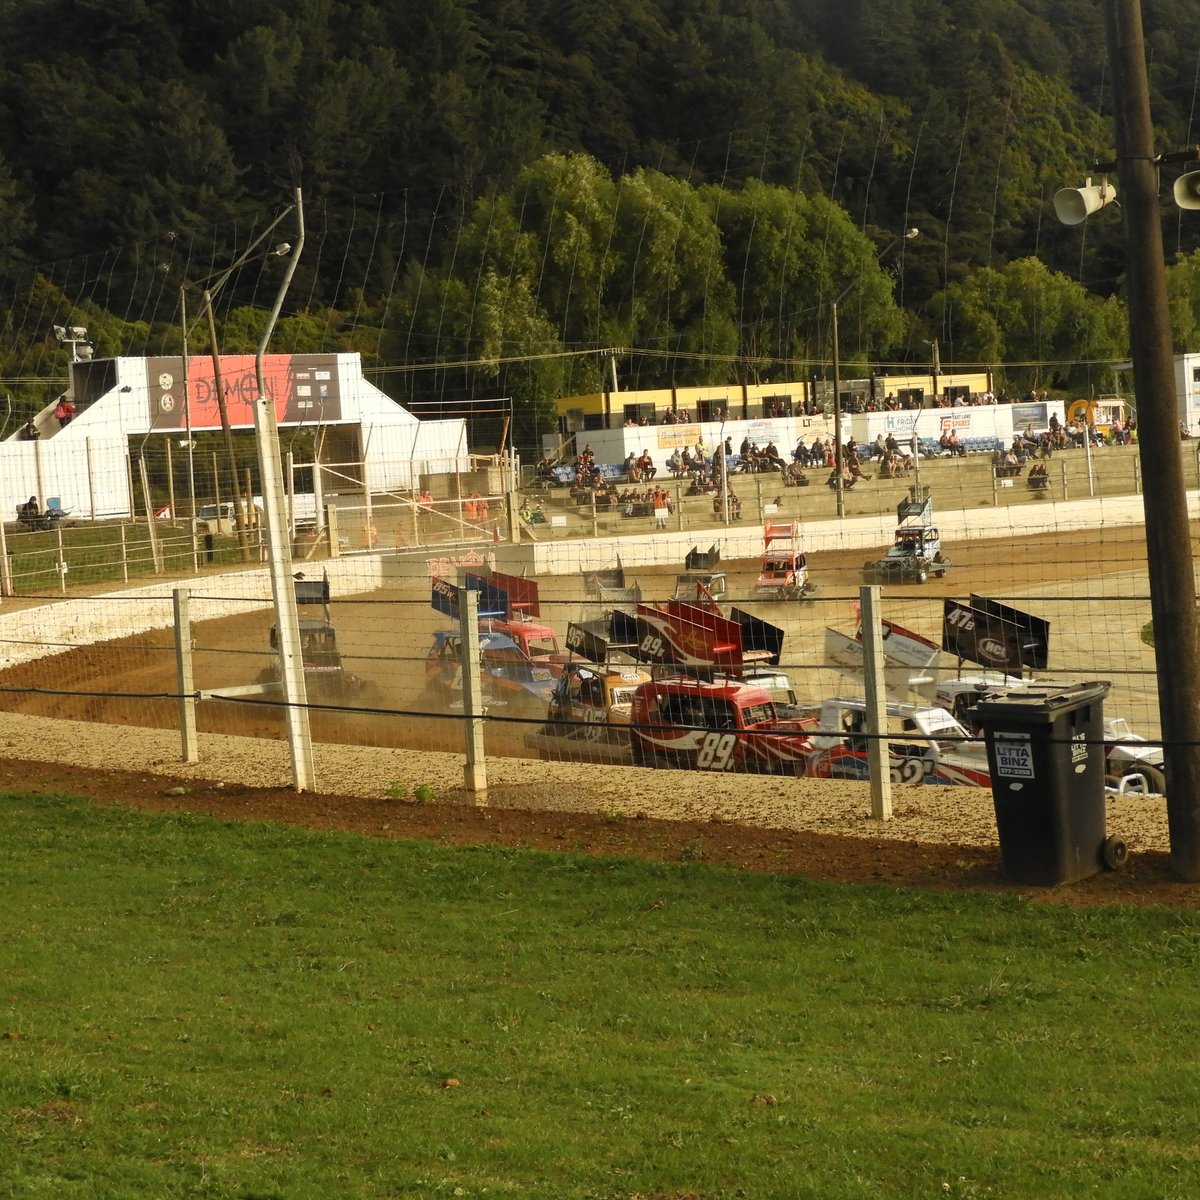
[
  {"x": 789, "y": 255},
  {"x": 1046, "y": 327}
]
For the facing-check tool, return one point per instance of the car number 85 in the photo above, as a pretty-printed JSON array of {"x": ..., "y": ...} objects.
[{"x": 715, "y": 751}]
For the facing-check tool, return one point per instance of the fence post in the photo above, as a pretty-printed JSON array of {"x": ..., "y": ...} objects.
[
  {"x": 878, "y": 755},
  {"x": 6, "y": 583},
  {"x": 185, "y": 686},
  {"x": 91, "y": 470},
  {"x": 61, "y": 564},
  {"x": 331, "y": 530},
  {"x": 475, "y": 768},
  {"x": 124, "y": 555},
  {"x": 150, "y": 529}
]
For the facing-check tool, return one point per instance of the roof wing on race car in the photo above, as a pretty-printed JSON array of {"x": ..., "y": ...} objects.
[
  {"x": 687, "y": 638},
  {"x": 917, "y": 509},
  {"x": 702, "y": 560},
  {"x": 762, "y": 642},
  {"x": 595, "y": 582},
  {"x": 599, "y": 640},
  {"x": 994, "y": 635},
  {"x": 312, "y": 591},
  {"x": 444, "y": 597},
  {"x": 908, "y": 657},
  {"x": 504, "y": 597}
]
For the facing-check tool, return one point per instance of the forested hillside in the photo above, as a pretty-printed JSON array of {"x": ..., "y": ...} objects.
[{"x": 533, "y": 180}]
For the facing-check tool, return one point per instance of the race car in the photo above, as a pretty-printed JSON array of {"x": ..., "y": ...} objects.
[
  {"x": 783, "y": 570},
  {"x": 927, "y": 745},
  {"x": 511, "y": 682},
  {"x": 716, "y": 725},
  {"x": 595, "y": 702},
  {"x": 916, "y": 550}
]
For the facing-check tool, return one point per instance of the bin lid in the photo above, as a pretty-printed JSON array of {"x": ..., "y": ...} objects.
[{"x": 1039, "y": 706}]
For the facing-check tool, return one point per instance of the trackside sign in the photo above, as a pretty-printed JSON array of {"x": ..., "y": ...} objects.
[{"x": 1014, "y": 755}]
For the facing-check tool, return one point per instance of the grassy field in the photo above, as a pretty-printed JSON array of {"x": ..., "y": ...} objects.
[
  {"x": 197, "y": 1009},
  {"x": 106, "y": 552}
]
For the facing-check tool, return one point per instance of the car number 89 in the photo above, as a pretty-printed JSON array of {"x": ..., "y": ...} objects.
[{"x": 715, "y": 751}]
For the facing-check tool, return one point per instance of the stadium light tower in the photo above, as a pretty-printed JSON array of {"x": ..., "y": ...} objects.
[{"x": 75, "y": 336}]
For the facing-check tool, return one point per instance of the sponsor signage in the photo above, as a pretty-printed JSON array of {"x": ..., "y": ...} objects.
[
  {"x": 444, "y": 597},
  {"x": 304, "y": 388},
  {"x": 994, "y": 635},
  {"x": 1014, "y": 755}
]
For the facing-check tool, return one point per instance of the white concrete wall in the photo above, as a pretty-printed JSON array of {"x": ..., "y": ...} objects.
[
  {"x": 742, "y": 540},
  {"x": 31, "y": 633}
]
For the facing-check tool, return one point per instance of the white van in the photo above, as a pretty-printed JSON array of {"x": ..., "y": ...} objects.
[{"x": 210, "y": 521}]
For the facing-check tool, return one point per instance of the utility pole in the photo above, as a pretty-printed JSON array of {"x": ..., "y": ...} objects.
[
  {"x": 279, "y": 550},
  {"x": 1168, "y": 534}
]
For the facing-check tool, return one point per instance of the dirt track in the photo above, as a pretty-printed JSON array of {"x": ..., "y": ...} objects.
[{"x": 1093, "y": 590}]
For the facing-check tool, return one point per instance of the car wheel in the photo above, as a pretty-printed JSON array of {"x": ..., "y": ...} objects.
[{"x": 1149, "y": 780}]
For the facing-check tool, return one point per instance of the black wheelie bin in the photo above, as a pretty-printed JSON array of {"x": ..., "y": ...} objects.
[{"x": 1046, "y": 755}]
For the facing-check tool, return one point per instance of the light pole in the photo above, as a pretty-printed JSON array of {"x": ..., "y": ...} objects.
[
  {"x": 241, "y": 512},
  {"x": 1164, "y": 497},
  {"x": 279, "y": 551},
  {"x": 838, "y": 454}
]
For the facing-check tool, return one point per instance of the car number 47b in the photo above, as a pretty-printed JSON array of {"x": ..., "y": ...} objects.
[{"x": 716, "y": 751}]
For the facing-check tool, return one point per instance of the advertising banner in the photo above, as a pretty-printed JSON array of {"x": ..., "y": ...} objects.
[{"x": 304, "y": 388}]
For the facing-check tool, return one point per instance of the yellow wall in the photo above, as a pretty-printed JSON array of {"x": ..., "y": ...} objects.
[{"x": 731, "y": 395}]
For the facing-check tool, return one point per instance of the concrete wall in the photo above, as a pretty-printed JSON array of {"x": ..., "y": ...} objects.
[{"x": 32, "y": 633}]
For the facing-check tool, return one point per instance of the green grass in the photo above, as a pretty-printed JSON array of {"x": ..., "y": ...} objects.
[
  {"x": 94, "y": 554},
  {"x": 191, "y": 1008}
]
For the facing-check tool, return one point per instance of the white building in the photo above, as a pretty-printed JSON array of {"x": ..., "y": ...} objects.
[{"x": 367, "y": 441}]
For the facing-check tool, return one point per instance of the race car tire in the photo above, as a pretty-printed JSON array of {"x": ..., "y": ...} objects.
[
  {"x": 1114, "y": 853},
  {"x": 1154, "y": 781}
]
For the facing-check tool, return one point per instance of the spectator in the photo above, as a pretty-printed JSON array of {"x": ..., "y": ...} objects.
[
  {"x": 646, "y": 466},
  {"x": 29, "y": 511},
  {"x": 955, "y": 446},
  {"x": 31, "y": 432},
  {"x": 64, "y": 410}
]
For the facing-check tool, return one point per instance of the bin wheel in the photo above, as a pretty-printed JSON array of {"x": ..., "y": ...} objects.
[{"x": 1115, "y": 853}]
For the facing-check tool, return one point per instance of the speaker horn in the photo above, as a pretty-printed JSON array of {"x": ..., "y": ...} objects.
[
  {"x": 1073, "y": 205},
  {"x": 1187, "y": 190}
]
